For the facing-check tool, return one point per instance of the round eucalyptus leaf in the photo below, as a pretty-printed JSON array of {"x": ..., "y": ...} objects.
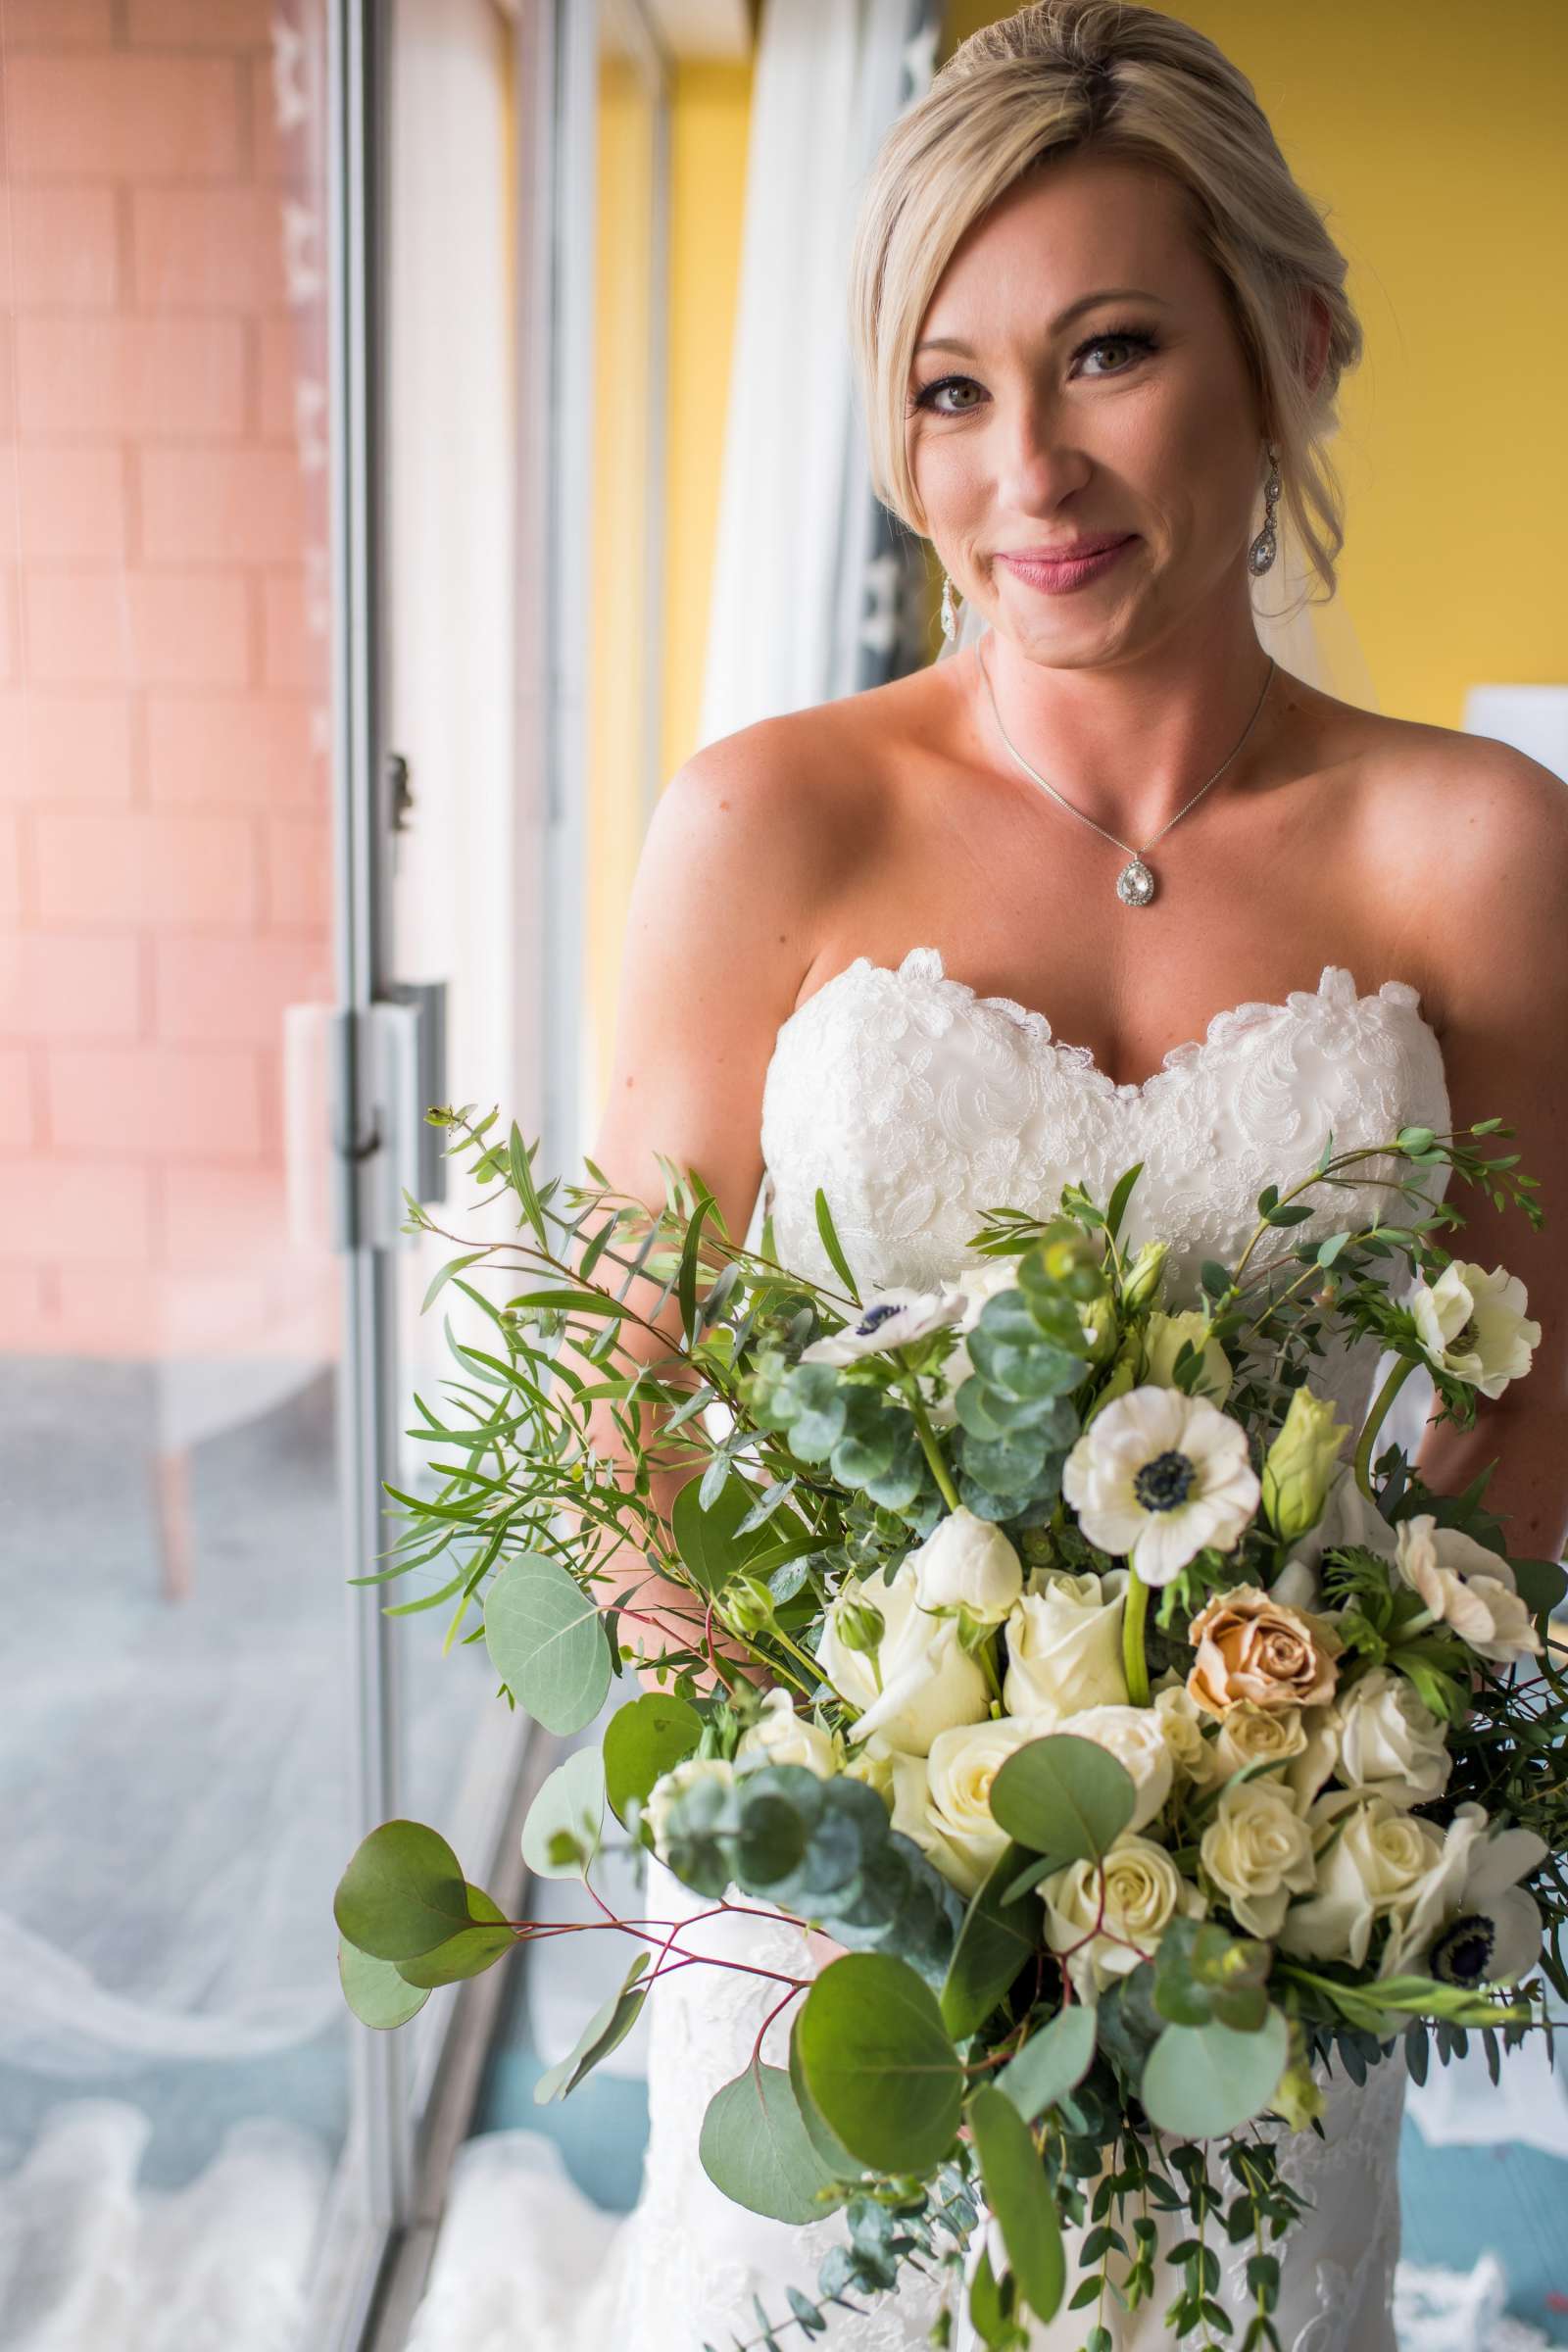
[
  {"x": 642, "y": 1741},
  {"x": 1052, "y": 2063},
  {"x": 402, "y": 1893},
  {"x": 373, "y": 1989},
  {"x": 568, "y": 1812},
  {"x": 756, "y": 2148},
  {"x": 830, "y": 2151},
  {"x": 1201, "y": 2081},
  {"x": 605, "y": 2031},
  {"x": 879, "y": 2064},
  {"x": 1016, "y": 2192},
  {"x": 1065, "y": 1796},
  {"x": 546, "y": 1640}
]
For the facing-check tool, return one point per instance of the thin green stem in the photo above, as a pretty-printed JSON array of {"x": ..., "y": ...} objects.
[
  {"x": 1135, "y": 1663},
  {"x": 928, "y": 1443},
  {"x": 1375, "y": 1419}
]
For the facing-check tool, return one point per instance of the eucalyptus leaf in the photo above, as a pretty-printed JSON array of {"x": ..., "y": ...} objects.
[
  {"x": 1018, "y": 2195},
  {"x": 1052, "y": 2063},
  {"x": 643, "y": 1740},
  {"x": 469, "y": 1952},
  {"x": 1201, "y": 2081},
  {"x": 756, "y": 2148},
  {"x": 879, "y": 2064},
  {"x": 1065, "y": 1796},
  {"x": 547, "y": 1642},
  {"x": 998, "y": 1938},
  {"x": 707, "y": 1534},
  {"x": 373, "y": 1989},
  {"x": 604, "y": 2030},
  {"x": 403, "y": 1892},
  {"x": 569, "y": 1806}
]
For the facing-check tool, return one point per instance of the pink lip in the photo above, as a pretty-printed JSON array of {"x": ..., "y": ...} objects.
[
  {"x": 1074, "y": 552},
  {"x": 1060, "y": 571}
]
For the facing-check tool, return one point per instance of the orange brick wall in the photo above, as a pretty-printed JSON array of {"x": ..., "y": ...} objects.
[{"x": 165, "y": 846}]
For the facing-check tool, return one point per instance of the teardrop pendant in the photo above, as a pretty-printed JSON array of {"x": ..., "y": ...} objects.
[{"x": 1135, "y": 884}]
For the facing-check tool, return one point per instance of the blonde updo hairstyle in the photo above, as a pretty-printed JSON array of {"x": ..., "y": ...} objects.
[{"x": 1056, "y": 79}]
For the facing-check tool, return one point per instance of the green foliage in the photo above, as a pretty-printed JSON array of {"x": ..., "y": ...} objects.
[
  {"x": 643, "y": 1740},
  {"x": 756, "y": 2148},
  {"x": 879, "y": 2064},
  {"x": 566, "y": 1820},
  {"x": 1203, "y": 1973},
  {"x": 1201, "y": 2081},
  {"x": 1063, "y": 1796},
  {"x": 1016, "y": 2192},
  {"x": 605, "y": 2031},
  {"x": 1052, "y": 2063},
  {"x": 374, "y": 1990},
  {"x": 1000, "y": 1937},
  {"x": 546, "y": 1640}
]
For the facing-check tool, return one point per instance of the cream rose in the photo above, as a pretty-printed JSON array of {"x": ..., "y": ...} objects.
[
  {"x": 967, "y": 1563},
  {"x": 1258, "y": 1852},
  {"x": 1163, "y": 1338},
  {"x": 1389, "y": 1740},
  {"x": 927, "y": 1682},
  {"x": 781, "y": 1737},
  {"x": 1472, "y": 1590},
  {"x": 1371, "y": 1858},
  {"x": 1252, "y": 1647},
  {"x": 1136, "y": 1738},
  {"x": 964, "y": 1839},
  {"x": 1473, "y": 1327},
  {"x": 1182, "y": 1726},
  {"x": 1143, "y": 1892},
  {"x": 1065, "y": 1645}
]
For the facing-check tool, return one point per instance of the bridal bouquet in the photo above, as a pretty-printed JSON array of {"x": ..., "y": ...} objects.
[{"x": 1148, "y": 1743}]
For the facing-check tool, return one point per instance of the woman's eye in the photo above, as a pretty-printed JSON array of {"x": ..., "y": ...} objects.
[
  {"x": 926, "y": 398},
  {"x": 1127, "y": 341}
]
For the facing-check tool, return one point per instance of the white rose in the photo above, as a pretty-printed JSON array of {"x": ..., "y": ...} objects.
[
  {"x": 781, "y": 1737},
  {"x": 1473, "y": 1327},
  {"x": 1258, "y": 1852},
  {"x": 1143, "y": 1892},
  {"x": 1468, "y": 1922},
  {"x": 965, "y": 1837},
  {"x": 672, "y": 1783},
  {"x": 1299, "y": 1739},
  {"x": 968, "y": 1563},
  {"x": 1163, "y": 1338},
  {"x": 1136, "y": 1738},
  {"x": 1389, "y": 1740},
  {"x": 972, "y": 1287},
  {"x": 1065, "y": 1645},
  {"x": 928, "y": 1683},
  {"x": 1181, "y": 1724},
  {"x": 1471, "y": 1588},
  {"x": 1373, "y": 1866}
]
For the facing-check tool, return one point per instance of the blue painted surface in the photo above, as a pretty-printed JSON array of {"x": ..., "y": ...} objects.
[{"x": 1509, "y": 2201}]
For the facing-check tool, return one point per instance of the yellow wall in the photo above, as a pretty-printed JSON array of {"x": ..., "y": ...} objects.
[{"x": 1432, "y": 130}]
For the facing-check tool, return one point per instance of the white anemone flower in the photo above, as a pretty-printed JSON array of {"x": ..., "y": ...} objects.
[
  {"x": 1158, "y": 1475},
  {"x": 1473, "y": 1327},
  {"x": 894, "y": 1318},
  {"x": 1470, "y": 1922}
]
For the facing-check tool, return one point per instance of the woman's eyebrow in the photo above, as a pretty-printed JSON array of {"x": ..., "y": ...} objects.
[{"x": 1085, "y": 302}]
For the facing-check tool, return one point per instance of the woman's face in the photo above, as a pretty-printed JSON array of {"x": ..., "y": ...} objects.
[{"x": 1075, "y": 411}]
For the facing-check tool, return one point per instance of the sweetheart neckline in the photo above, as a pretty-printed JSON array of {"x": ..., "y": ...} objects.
[{"x": 1180, "y": 1056}]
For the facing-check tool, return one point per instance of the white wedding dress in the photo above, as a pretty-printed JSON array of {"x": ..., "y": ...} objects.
[{"x": 917, "y": 1105}]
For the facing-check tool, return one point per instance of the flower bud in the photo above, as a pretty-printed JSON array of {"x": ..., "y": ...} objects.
[
  {"x": 1297, "y": 2096},
  {"x": 748, "y": 1605},
  {"x": 1098, "y": 1319},
  {"x": 860, "y": 1626},
  {"x": 1141, "y": 1286},
  {"x": 1299, "y": 1467},
  {"x": 968, "y": 1563}
]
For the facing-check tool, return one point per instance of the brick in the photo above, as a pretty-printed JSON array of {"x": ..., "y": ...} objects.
[
  {"x": 162, "y": 379},
  {"x": 155, "y": 1101},
  {"x": 120, "y": 117},
  {"x": 145, "y": 866},
  {"x": 73, "y": 747},
  {"x": 63, "y": 251},
  {"x": 19, "y": 1125},
  {"x": 240, "y": 751},
  {"x": 202, "y": 23},
  {"x": 297, "y": 647},
  {"x": 214, "y": 248},
  {"x": 64, "y": 983},
  {"x": 293, "y": 402},
  {"x": 68, "y": 502},
  {"x": 85, "y": 1209},
  {"x": 223, "y": 1217},
  {"x": 151, "y": 628},
  {"x": 23, "y": 1308},
  {"x": 289, "y": 102},
  {"x": 57, "y": 24},
  {"x": 223, "y": 505},
  {"x": 235, "y": 990},
  {"x": 297, "y": 865}
]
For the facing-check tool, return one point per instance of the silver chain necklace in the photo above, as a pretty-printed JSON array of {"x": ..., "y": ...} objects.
[{"x": 1135, "y": 884}]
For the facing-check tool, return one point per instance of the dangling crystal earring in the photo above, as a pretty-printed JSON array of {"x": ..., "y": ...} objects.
[
  {"x": 1265, "y": 547},
  {"x": 949, "y": 619}
]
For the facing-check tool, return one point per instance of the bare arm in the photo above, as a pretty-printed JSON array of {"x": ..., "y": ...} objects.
[
  {"x": 716, "y": 944},
  {"x": 1504, "y": 950}
]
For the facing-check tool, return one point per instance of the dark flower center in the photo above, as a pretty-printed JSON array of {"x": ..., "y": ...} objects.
[
  {"x": 1164, "y": 1482},
  {"x": 1462, "y": 1954},
  {"x": 874, "y": 1318}
]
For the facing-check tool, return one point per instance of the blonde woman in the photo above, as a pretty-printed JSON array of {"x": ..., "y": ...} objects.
[{"x": 1099, "y": 331}]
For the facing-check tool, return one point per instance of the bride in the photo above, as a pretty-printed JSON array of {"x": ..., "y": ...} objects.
[{"x": 1098, "y": 325}]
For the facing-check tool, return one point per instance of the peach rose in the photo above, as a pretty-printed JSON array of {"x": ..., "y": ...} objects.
[{"x": 1253, "y": 1648}]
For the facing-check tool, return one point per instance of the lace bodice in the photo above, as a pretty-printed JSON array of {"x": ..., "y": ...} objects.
[{"x": 916, "y": 1104}]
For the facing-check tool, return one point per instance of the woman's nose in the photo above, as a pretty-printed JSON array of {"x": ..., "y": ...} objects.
[{"x": 1038, "y": 455}]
